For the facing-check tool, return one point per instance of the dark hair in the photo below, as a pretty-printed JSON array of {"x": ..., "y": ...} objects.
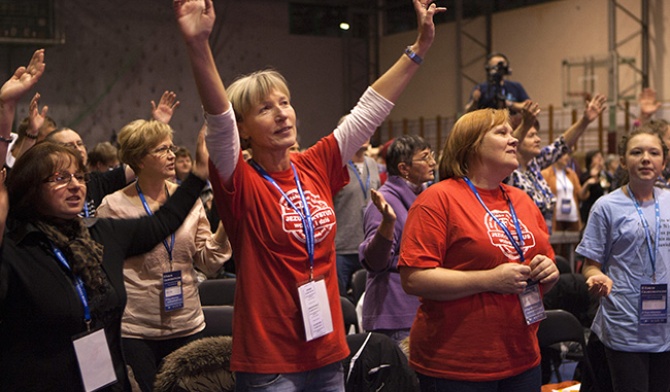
[
  {"x": 24, "y": 182},
  {"x": 589, "y": 157},
  {"x": 183, "y": 152},
  {"x": 402, "y": 150},
  {"x": 495, "y": 54}
]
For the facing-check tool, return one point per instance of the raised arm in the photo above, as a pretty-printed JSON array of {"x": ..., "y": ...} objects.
[
  {"x": 392, "y": 83},
  {"x": 593, "y": 109},
  {"x": 36, "y": 121},
  {"x": 166, "y": 106},
  {"x": 529, "y": 112},
  {"x": 379, "y": 229},
  {"x": 196, "y": 20},
  {"x": 648, "y": 103},
  {"x": 23, "y": 79}
]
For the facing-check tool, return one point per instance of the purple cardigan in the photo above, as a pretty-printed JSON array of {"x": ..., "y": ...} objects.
[{"x": 386, "y": 305}]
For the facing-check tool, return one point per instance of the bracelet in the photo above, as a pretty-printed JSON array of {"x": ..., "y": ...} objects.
[
  {"x": 29, "y": 136},
  {"x": 413, "y": 56},
  {"x": 6, "y": 139}
]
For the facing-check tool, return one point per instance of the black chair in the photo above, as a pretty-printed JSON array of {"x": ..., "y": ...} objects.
[
  {"x": 561, "y": 326},
  {"x": 218, "y": 320},
  {"x": 217, "y": 291},
  {"x": 377, "y": 364},
  {"x": 358, "y": 280},
  {"x": 349, "y": 314}
]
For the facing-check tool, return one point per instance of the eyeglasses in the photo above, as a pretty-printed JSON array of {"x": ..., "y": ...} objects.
[
  {"x": 74, "y": 145},
  {"x": 162, "y": 151},
  {"x": 428, "y": 158},
  {"x": 63, "y": 179}
]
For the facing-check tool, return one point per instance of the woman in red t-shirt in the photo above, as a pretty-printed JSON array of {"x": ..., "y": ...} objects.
[{"x": 477, "y": 252}]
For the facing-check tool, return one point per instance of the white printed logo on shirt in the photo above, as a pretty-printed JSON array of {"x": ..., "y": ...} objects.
[
  {"x": 323, "y": 216},
  {"x": 499, "y": 238}
]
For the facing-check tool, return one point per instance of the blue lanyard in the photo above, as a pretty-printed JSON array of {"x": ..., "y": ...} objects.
[
  {"x": 652, "y": 250},
  {"x": 563, "y": 184},
  {"x": 517, "y": 244},
  {"x": 365, "y": 188},
  {"x": 79, "y": 285},
  {"x": 169, "y": 247},
  {"x": 305, "y": 215},
  {"x": 86, "y": 212}
]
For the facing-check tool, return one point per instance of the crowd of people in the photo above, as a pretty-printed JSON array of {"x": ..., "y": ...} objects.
[{"x": 103, "y": 250}]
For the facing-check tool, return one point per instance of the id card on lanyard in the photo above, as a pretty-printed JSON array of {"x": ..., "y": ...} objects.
[
  {"x": 530, "y": 299},
  {"x": 314, "y": 304},
  {"x": 173, "y": 294},
  {"x": 653, "y": 305},
  {"x": 91, "y": 348}
]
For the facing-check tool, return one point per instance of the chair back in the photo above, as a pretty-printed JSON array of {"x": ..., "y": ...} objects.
[
  {"x": 218, "y": 320},
  {"x": 358, "y": 280},
  {"x": 217, "y": 291},
  {"x": 563, "y": 326},
  {"x": 349, "y": 315}
]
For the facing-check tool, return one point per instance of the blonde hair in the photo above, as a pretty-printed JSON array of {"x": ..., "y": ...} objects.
[
  {"x": 249, "y": 90},
  {"x": 465, "y": 139},
  {"x": 136, "y": 138}
]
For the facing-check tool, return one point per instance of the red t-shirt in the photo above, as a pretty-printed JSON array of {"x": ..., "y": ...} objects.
[
  {"x": 481, "y": 337},
  {"x": 271, "y": 260}
]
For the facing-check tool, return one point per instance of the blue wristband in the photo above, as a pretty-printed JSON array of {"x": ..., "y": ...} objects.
[{"x": 413, "y": 56}]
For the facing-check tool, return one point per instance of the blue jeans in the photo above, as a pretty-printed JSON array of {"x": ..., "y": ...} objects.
[
  {"x": 329, "y": 378},
  {"x": 347, "y": 264},
  {"x": 528, "y": 381}
]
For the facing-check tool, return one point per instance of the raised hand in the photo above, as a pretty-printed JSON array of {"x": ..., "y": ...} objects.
[
  {"x": 594, "y": 107},
  {"x": 648, "y": 104},
  {"x": 166, "y": 106},
  {"x": 384, "y": 208},
  {"x": 36, "y": 117},
  {"x": 24, "y": 79},
  {"x": 195, "y": 18},
  {"x": 425, "y": 10}
]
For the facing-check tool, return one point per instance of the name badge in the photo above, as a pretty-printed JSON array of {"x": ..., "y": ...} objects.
[
  {"x": 566, "y": 206},
  {"x": 531, "y": 304},
  {"x": 315, "y": 308},
  {"x": 173, "y": 291},
  {"x": 95, "y": 360},
  {"x": 653, "y": 304}
]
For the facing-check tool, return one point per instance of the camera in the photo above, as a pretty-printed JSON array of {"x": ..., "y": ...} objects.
[{"x": 496, "y": 72}]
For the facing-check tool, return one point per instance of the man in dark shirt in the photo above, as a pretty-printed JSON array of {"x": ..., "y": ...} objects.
[{"x": 497, "y": 92}]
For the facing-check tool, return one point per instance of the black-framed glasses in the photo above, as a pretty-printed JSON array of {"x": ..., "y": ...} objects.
[
  {"x": 162, "y": 151},
  {"x": 63, "y": 179},
  {"x": 428, "y": 158}
]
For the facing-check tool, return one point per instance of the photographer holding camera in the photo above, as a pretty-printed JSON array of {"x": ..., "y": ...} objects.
[{"x": 497, "y": 92}]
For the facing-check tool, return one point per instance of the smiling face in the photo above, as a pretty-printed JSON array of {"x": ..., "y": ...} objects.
[
  {"x": 63, "y": 201},
  {"x": 269, "y": 125},
  {"x": 644, "y": 158}
]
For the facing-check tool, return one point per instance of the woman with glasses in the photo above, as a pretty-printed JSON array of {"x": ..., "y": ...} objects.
[
  {"x": 477, "y": 254},
  {"x": 163, "y": 311},
  {"x": 387, "y": 308},
  {"x": 62, "y": 289}
]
